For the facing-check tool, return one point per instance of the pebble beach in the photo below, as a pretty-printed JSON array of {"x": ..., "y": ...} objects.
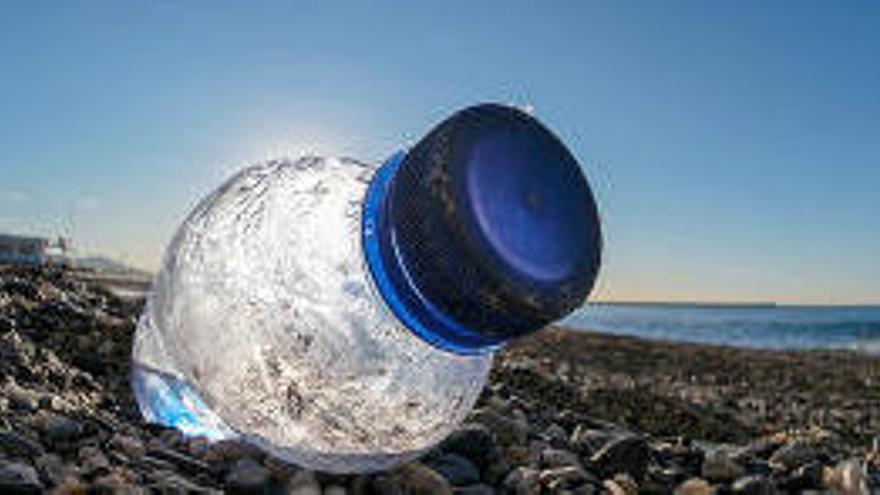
[{"x": 565, "y": 412}]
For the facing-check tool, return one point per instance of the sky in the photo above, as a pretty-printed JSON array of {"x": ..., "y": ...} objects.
[{"x": 733, "y": 147}]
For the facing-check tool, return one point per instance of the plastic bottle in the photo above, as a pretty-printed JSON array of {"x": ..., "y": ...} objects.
[{"x": 343, "y": 316}]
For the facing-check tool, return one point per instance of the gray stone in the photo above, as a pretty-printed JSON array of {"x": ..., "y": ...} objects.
[
  {"x": 52, "y": 467},
  {"x": 128, "y": 445},
  {"x": 565, "y": 477},
  {"x": 182, "y": 462},
  {"x": 359, "y": 485},
  {"x": 758, "y": 449},
  {"x": 17, "y": 445},
  {"x": 92, "y": 460},
  {"x": 19, "y": 479},
  {"x": 495, "y": 472},
  {"x": 229, "y": 451},
  {"x": 171, "y": 482},
  {"x": 804, "y": 477},
  {"x": 457, "y": 470},
  {"x": 536, "y": 448},
  {"x": 248, "y": 477},
  {"x": 508, "y": 431},
  {"x": 556, "y": 435},
  {"x": 474, "y": 442},
  {"x": 554, "y": 458},
  {"x": 586, "y": 490},
  {"x": 417, "y": 479},
  {"x": 719, "y": 466},
  {"x": 386, "y": 485},
  {"x": 792, "y": 455},
  {"x": 586, "y": 441},
  {"x": 523, "y": 481},
  {"x": 755, "y": 484},
  {"x": 480, "y": 489},
  {"x": 59, "y": 430}
]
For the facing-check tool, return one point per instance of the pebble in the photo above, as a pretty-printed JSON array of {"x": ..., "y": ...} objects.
[
  {"x": 303, "y": 483},
  {"x": 474, "y": 442},
  {"x": 792, "y": 455},
  {"x": 52, "y": 467},
  {"x": 16, "y": 445},
  {"x": 495, "y": 472},
  {"x": 171, "y": 482},
  {"x": 586, "y": 440},
  {"x": 71, "y": 486},
  {"x": 755, "y": 484},
  {"x": 847, "y": 477},
  {"x": 508, "y": 431},
  {"x": 22, "y": 399},
  {"x": 474, "y": 490},
  {"x": 360, "y": 485},
  {"x": 457, "y": 470},
  {"x": 417, "y": 479},
  {"x": 804, "y": 477},
  {"x": 552, "y": 458},
  {"x": 519, "y": 455},
  {"x": 130, "y": 446},
  {"x": 113, "y": 483},
  {"x": 622, "y": 484},
  {"x": 386, "y": 485},
  {"x": 19, "y": 479},
  {"x": 694, "y": 486},
  {"x": 718, "y": 466},
  {"x": 565, "y": 477},
  {"x": 523, "y": 481},
  {"x": 334, "y": 490},
  {"x": 51, "y": 402},
  {"x": 625, "y": 454},
  {"x": 92, "y": 460},
  {"x": 184, "y": 463},
  {"x": 556, "y": 435},
  {"x": 248, "y": 477},
  {"x": 59, "y": 430},
  {"x": 228, "y": 451},
  {"x": 758, "y": 449}
]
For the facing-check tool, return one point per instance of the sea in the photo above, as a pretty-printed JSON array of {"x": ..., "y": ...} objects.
[{"x": 757, "y": 326}]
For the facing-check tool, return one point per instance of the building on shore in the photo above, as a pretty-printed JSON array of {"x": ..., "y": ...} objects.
[{"x": 23, "y": 250}]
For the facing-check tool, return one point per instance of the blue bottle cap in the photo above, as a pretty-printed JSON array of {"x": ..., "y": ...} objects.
[{"x": 484, "y": 231}]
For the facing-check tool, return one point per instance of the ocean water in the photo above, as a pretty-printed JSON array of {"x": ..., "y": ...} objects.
[{"x": 771, "y": 327}]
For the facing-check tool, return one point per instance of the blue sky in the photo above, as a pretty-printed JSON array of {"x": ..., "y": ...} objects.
[{"x": 734, "y": 146}]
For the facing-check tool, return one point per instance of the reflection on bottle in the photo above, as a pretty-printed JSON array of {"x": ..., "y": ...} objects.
[{"x": 169, "y": 401}]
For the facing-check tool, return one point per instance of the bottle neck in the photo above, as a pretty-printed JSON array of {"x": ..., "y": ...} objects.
[{"x": 396, "y": 287}]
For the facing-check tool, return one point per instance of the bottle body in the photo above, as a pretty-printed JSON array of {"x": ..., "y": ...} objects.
[{"x": 265, "y": 323}]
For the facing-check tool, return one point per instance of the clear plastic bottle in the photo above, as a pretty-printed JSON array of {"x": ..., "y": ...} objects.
[{"x": 344, "y": 316}]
